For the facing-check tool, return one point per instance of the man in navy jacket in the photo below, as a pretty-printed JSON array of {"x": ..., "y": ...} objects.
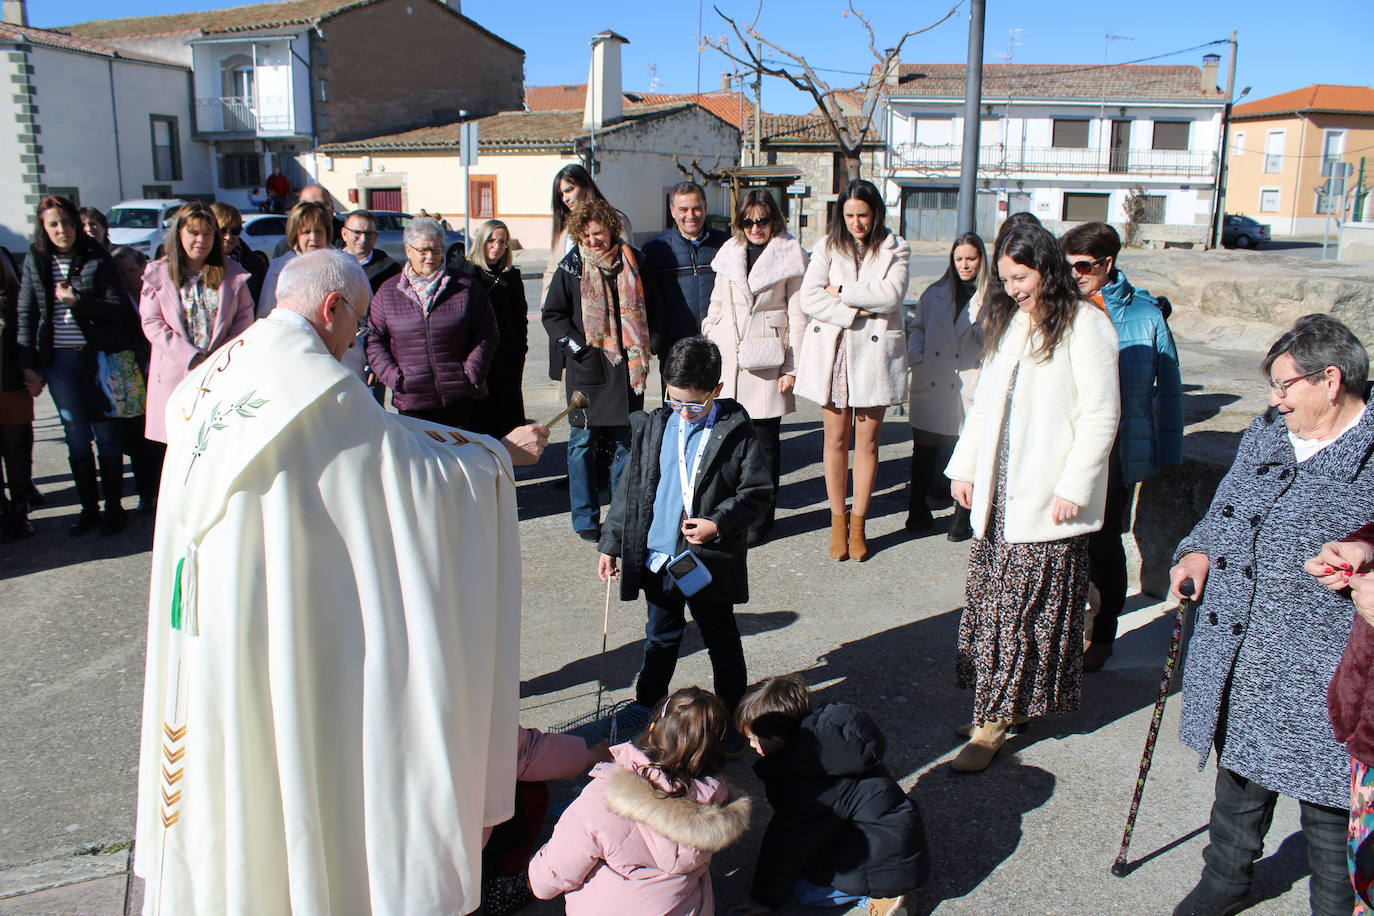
[{"x": 680, "y": 260}]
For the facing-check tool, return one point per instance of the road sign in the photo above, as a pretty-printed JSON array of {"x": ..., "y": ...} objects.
[{"x": 467, "y": 143}]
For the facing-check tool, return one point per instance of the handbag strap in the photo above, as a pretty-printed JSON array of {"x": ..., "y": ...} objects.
[{"x": 734, "y": 318}]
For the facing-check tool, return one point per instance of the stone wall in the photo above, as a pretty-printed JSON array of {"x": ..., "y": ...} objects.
[{"x": 1357, "y": 242}]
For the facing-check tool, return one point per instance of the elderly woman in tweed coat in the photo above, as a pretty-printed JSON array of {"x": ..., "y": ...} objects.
[{"x": 1268, "y": 637}]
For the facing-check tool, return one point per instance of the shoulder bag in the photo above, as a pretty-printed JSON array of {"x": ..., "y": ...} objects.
[{"x": 754, "y": 352}]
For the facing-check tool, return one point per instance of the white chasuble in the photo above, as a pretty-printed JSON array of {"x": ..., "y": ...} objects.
[{"x": 330, "y": 710}]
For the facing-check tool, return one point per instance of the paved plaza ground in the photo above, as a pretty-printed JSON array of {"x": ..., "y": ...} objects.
[{"x": 1035, "y": 834}]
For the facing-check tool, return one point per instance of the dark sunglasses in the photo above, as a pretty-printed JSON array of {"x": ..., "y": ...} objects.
[
  {"x": 751, "y": 223},
  {"x": 1083, "y": 268}
]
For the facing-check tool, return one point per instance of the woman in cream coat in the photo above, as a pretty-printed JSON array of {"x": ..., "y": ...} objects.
[
  {"x": 757, "y": 297},
  {"x": 1031, "y": 465},
  {"x": 853, "y": 353}
]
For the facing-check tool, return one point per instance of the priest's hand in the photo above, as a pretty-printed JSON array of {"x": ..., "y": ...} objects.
[
  {"x": 607, "y": 568},
  {"x": 526, "y": 443}
]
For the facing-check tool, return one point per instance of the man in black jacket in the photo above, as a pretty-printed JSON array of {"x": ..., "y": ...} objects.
[
  {"x": 694, "y": 483},
  {"x": 680, "y": 260},
  {"x": 843, "y": 832},
  {"x": 359, "y": 237}
]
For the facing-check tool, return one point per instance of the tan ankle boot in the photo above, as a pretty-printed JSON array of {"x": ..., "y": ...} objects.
[
  {"x": 966, "y": 730},
  {"x": 982, "y": 746},
  {"x": 858, "y": 547},
  {"x": 839, "y": 536}
]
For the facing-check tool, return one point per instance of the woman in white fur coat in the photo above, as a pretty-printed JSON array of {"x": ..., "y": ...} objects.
[
  {"x": 1031, "y": 466},
  {"x": 755, "y": 319},
  {"x": 853, "y": 354}
]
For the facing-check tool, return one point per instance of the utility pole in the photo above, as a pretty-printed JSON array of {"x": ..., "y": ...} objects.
[
  {"x": 1223, "y": 154},
  {"x": 758, "y": 103},
  {"x": 973, "y": 97}
]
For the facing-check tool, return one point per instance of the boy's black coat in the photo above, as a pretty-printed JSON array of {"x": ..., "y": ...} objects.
[
  {"x": 733, "y": 488},
  {"x": 840, "y": 820}
]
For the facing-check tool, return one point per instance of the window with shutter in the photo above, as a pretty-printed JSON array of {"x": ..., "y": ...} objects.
[
  {"x": 1171, "y": 134},
  {"x": 1070, "y": 134}
]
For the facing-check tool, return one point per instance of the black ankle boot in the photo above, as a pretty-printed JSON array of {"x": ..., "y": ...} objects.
[
  {"x": 87, "y": 494},
  {"x": 960, "y": 529},
  {"x": 112, "y": 483}
]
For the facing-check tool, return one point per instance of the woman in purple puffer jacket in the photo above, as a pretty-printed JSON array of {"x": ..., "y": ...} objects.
[{"x": 432, "y": 333}]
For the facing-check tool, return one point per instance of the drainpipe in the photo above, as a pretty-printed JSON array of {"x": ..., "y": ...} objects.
[{"x": 114, "y": 116}]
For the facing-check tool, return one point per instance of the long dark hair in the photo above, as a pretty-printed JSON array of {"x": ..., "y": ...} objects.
[
  {"x": 683, "y": 740},
  {"x": 41, "y": 243},
  {"x": 984, "y": 271},
  {"x": 838, "y": 236},
  {"x": 578, "y": 176},
  {"x": 178, "y": 267},
  {"x": 757, "y": 198},
  {"x": 1057, "y": 299}
]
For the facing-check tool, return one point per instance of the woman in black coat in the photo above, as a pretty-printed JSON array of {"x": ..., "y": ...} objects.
[
  {"x": 16, "y": 414},
  {"x": 71, "y": 307},
  {"x": 620, "y": 299},
  {"x": 504, "y": 407}
]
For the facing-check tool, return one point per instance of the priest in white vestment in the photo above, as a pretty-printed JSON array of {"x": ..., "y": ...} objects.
[{"x": 330, "y": 711}]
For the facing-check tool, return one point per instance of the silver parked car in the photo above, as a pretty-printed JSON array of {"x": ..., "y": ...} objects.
[
  {"x": 1243, "y": 232},
  {"x": 392, "y": 223}
]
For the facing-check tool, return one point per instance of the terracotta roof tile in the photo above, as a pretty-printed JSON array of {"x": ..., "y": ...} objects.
[
  {"x": 52, "y": 39},
  {"x": 231, "y": 19},
  {"x": 724, "y": 105},
  {"x": 508, "y": 129},
  {"x": 1057, "y": 81},
  {"x": 1321, "y": 97}
]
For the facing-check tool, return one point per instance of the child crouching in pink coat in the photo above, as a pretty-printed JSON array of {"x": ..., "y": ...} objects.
[{"x": 640, "y": 837}]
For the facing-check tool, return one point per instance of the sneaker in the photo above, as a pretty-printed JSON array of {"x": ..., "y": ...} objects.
[{"x": 888, "y": 906}]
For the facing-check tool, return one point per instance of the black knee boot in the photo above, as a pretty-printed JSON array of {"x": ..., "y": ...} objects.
[
  {"x": 112, "y": 484},
  {"x": 87, "y": 493},
  {"x": 918, "y": 517},
  {"x": 16, "y": 453}
]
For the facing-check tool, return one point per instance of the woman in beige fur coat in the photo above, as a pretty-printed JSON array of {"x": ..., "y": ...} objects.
[
  {"x": 853, "y": 354},
  {"x": 756, "y": 309}
]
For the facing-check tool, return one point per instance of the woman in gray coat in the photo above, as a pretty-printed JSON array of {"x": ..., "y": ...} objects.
[{"x": 1267, "y": 637}]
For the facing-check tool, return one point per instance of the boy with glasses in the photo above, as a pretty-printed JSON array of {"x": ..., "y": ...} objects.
[
  {"x": 694, "y": 483},
  {"x": 1151, "y": 430}
]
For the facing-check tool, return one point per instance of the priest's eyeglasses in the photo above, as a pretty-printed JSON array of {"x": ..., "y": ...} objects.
[{"x": 360, "y": 319}]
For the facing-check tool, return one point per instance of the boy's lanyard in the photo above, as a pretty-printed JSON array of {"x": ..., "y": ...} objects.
[{"x": 688, "y": 478}]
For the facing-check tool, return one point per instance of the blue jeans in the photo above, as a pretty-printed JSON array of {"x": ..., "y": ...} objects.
[
  {"x": 582, "y": 497},
  {"x": 69, "y": 378},
  {"x": 809, "y": 894}
]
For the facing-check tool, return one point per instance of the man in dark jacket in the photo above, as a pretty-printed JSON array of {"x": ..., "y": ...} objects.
[
  {"x": 843, "y": 832},
  {"x": 1151, "y": 431},
  {"x": 360, "y": 240},
  {"x": 680, "y": 260},
  {"x": 694, "y": 483}
]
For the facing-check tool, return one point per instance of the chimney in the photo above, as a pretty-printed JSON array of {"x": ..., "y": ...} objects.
[
  {"x": 890, "y": 78},
  {"x": 1210, "y": 63},
  {"x": 725, "y": 82},
  {"x": 16, "y": 12},
  {"x": 604, "y": 99}
]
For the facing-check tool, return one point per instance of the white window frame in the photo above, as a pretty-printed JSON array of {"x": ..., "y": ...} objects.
[
  {"x": 1278, "y": 199},
  {"x": 1273, "y": 162},
  {"x": 1237, "y": 144}
]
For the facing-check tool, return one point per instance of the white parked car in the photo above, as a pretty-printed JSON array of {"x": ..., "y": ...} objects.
[
  {"x": 141, "y": 224},
  {"x": 262, "y": 231}
]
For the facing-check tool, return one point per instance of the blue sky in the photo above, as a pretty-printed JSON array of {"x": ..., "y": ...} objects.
[{"x": 1282, "y": 45}]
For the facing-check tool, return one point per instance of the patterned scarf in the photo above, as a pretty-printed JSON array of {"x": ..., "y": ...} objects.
[
  {"x": 426, "y": 288},
  {"x": 605, "y": 328}
]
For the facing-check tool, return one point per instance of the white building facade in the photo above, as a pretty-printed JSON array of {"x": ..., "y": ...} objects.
[{"x": 1067, "y": 143}]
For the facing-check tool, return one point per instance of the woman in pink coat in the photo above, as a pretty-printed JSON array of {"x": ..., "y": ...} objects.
[
  {"x": 194, "y": 302},
  {"x": 640, "y": 837},
  {"x": 756, "y": 319}
]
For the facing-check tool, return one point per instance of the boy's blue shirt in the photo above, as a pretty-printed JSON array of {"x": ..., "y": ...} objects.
[{"x": 666, "y": 525}]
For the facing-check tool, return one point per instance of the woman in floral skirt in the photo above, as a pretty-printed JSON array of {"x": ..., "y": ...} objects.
[{"x": 1031, "y": 466}]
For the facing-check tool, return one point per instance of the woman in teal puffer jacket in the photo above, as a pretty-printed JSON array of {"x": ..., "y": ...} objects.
[{"x": 1151, "y": 431}]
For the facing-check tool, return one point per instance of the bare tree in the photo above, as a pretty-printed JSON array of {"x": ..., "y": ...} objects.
[{"x": 850, "y": 135}]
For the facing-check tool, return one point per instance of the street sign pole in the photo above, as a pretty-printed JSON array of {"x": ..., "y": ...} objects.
[{"x": 467, "y": 152}]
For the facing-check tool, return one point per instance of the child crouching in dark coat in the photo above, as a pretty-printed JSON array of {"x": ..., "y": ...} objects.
[
  {"x": 694, "y": 484},
  {"x": 843, "y": 832}
]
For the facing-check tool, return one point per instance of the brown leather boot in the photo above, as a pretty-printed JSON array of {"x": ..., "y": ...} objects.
[
  {"x": 858, "y": 547},
  {"x": 982, "y": 746},
  {"x": 839, "y": 536}
]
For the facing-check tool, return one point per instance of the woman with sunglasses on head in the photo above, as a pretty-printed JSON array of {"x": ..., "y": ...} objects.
[
  {"x": 944, "y": 347},
  {"x": 756, "y": 320},
  {"x": 571, "y": 186},
  {"x": 1151, "y": 433},
  {"x": 1031, "y": 465},
  {"x": 194, "y": 301},
  {"x": 231, "y": 240},
  {"x": 431, "y": 334},
  {"x": 309, "y": 227},
  {"x": 853, "y": 353}
]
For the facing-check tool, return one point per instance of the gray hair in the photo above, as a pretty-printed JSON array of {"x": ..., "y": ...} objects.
[
  {"x": 1318, "y": 341},
  {"x": 421, "y": 228},
  {"x": 308, "y": 278}
]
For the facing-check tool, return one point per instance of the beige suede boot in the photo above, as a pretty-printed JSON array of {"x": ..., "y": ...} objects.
[
  {"x": 839, "y": 536},
  {"x": 858, "y": 547},
  {"x": 982, "y": 746}
]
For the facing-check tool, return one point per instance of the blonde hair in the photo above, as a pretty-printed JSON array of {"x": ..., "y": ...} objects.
[
  {"x": 477, "y": 255},
  {"x": 178, "y": 266}
]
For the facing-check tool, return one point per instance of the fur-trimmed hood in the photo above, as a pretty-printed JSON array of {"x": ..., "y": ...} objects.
[
  {"x": 782, "y": 258},
  {"x": 707, "y": 826}
]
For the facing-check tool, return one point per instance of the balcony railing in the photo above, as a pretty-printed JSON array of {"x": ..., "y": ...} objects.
[
  {"x": 232, "y": 114},
  {"x": 1014, "y": 160}
]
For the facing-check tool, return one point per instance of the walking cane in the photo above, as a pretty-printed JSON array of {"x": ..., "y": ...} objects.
[{"x": 1185, "y": 588}]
